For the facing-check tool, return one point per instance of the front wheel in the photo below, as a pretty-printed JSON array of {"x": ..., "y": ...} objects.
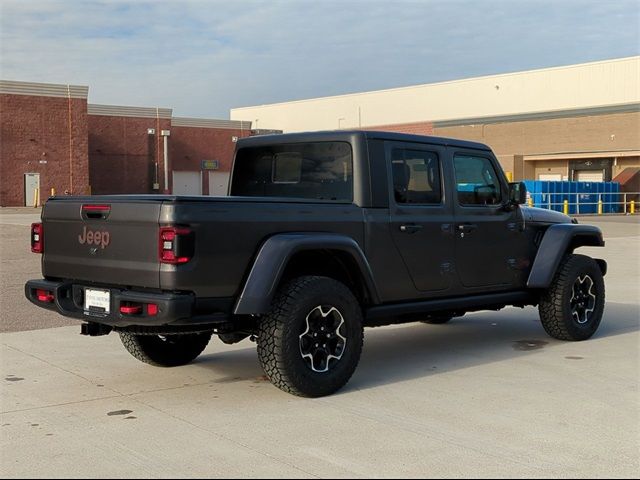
[
  {"x": 571, "y": 309},
  {"x": 310, "y": 342},
  {"x": 165, "y": 351}
]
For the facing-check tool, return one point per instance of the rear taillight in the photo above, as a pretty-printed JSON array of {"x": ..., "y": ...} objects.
[
  {"x": 176, "y": 245},
  {"x": 37, "y": 238}
]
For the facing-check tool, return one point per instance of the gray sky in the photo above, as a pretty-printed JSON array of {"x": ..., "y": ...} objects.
[{"x": 202, "y": 58}]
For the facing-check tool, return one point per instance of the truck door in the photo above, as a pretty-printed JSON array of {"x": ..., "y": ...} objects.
[
  {"x": 490, "y": 245},
  {"x": 421, "y": 220}
]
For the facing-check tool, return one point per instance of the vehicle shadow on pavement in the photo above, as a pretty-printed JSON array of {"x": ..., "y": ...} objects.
[
  {"x": 421, "y": 350},
  {"x": 415, "y": 350}
]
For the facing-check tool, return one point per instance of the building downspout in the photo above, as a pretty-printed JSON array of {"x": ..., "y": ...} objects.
[
  {"x": 157, "y": 180},
  {"x": 165, "y": 136}
]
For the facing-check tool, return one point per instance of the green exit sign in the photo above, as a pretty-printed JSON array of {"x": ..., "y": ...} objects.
[{"x": 210, "y": 164}]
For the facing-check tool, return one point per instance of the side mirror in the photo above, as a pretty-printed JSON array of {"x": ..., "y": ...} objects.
[{"x": 517, "y": 193}]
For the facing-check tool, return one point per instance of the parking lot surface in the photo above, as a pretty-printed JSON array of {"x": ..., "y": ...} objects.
[{"x": 489, "y": 394}]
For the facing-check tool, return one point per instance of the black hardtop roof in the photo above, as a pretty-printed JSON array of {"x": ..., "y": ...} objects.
[{"x": 352, "y": 135}]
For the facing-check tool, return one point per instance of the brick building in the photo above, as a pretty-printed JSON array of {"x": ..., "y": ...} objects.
[
  {"x": 576, "y": 122},
  {"x": 43, "y": 138},
  {"x": 51, "y": 138}
]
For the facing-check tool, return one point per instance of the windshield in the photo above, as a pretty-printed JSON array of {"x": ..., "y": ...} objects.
[{"x": 314, "y": 170}]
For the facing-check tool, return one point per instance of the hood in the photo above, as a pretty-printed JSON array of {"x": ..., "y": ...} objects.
[{"x": 542, "y": 215}]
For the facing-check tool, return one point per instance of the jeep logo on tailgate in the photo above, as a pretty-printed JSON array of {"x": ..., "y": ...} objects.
[{"x": 99, "y": 238}]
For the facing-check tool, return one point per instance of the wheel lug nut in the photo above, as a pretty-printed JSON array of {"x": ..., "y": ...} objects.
[
  {"x": 328, "y": 335},
  {"x": 317, "y": 344}
]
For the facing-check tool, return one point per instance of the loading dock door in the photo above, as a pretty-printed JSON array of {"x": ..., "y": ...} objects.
[
  {"x": 31, "y": 183},
  {"x": 218, "y": 183},
  {"x": 187, "y": 183},
  {"x": 589, "y": 175},
  {"x": 550, "y": 177}
]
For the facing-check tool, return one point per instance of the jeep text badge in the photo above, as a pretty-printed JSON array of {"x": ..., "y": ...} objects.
[{"x": 99, "y": 238}]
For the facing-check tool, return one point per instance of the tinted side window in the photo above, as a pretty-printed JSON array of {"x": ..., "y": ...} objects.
[
  {"x": 416, "y": 176},
  {"x": 317, "y": 170},
  {"x": 476, "y": 180}
]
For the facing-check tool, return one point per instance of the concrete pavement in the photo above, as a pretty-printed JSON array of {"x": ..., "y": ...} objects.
[
  {"x": 17, "y": 266},
  {"x": 487, "y": 395}
]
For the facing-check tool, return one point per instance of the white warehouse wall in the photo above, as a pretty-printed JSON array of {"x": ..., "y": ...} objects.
[{"x": 588, "y": 85}]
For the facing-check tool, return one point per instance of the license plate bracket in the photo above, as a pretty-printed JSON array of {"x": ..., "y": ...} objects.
[{"x": 97, "y": 301}]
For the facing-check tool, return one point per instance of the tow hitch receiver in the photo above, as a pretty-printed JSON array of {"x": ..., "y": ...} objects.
[{"x": 92, "y": 329}]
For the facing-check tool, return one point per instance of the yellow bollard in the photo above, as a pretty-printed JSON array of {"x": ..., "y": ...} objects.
[
  {"x": 632, "y": 207},
  {"x": 530, "y": 201},
  {"x": 509, "y": 176},
  {"x": 600, "y": 206},
  {"x": 53, "y": 192},
  {"x": 36, "y": 198},
  {"x": 565, "y": 207}
]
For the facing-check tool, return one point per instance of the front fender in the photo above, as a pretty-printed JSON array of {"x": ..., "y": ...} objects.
[
  {"x": 558, "y": 240},
  {"x": 272, "y": 259}
]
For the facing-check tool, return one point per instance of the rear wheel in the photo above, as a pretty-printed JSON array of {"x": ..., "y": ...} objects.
[
  {"x": 310, "y": 342},
  {"x": 165, "y": 351},
  {"x": 572, "y": 307}
]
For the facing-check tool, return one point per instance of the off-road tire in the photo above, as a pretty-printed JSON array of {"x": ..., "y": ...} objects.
[
  {"x": 168, "y": 351},
  {"x": 279, "y": 342},
  {"x": 555, "y": 307}
]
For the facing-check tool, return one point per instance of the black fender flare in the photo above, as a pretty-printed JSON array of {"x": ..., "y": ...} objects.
[
  {"x": 558, "y": 240},
  {"x": 273, "y": 257}
]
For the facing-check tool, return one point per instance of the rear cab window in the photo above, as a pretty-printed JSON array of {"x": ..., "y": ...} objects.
[
  {"x": 311, "y": 170},
  {"x": 416, "y": 176}
]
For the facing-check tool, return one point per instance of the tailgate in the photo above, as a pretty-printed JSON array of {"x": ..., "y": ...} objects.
[{"x": 112, "y": 242}]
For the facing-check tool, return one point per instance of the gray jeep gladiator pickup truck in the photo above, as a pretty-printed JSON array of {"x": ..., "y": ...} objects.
[{"x": 323, "y": 234}]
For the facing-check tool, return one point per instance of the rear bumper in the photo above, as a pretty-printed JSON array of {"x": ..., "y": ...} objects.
[{"x": 174, "y": 309}]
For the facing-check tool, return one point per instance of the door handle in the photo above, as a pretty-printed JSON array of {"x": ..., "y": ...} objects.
[
  {"x": 410, "y": 228},
  {"x": 466, "y": 228}
]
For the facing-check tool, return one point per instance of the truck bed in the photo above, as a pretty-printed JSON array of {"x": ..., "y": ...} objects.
[{"x": 227, "y": 231}]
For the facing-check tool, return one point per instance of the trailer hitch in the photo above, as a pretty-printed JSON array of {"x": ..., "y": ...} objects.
[{"x": 93, "y": 329}]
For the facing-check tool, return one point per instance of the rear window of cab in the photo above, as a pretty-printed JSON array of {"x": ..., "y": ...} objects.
[{"x": 311, "y": 170}]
